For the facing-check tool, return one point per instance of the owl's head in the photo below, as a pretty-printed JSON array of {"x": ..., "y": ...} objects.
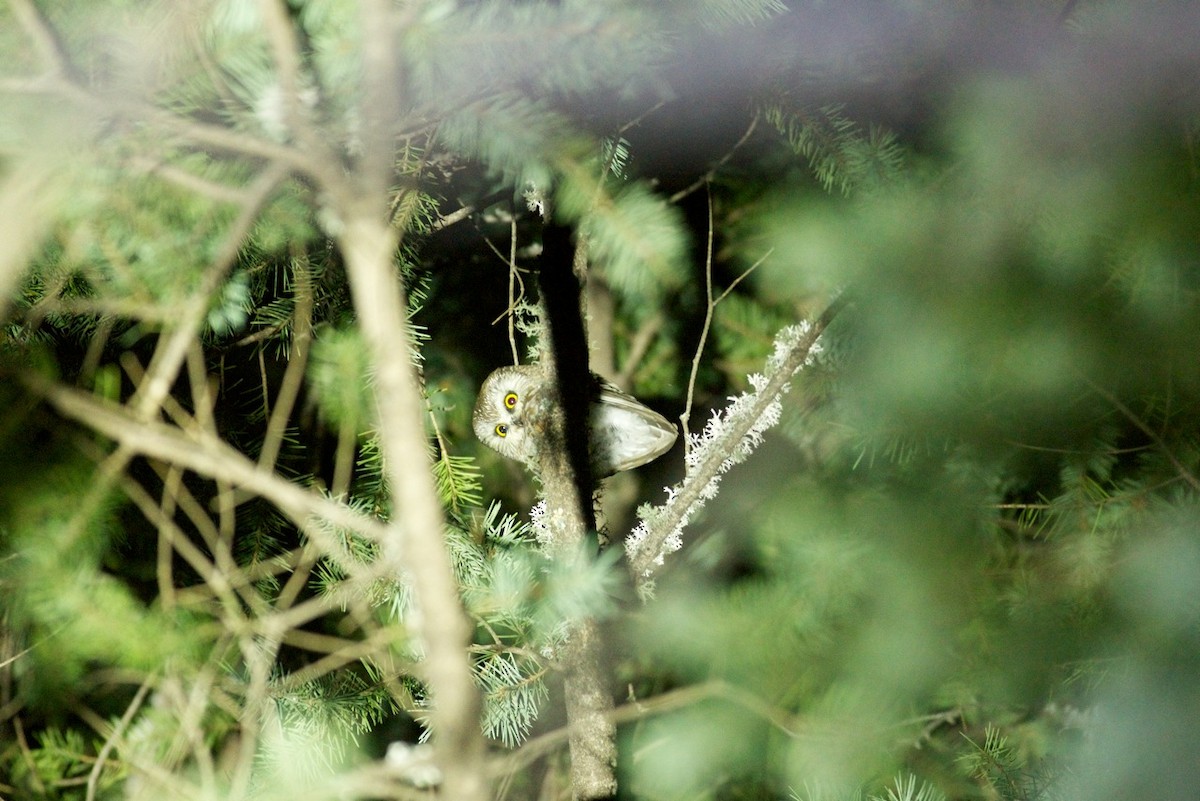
[{"x": 500, "y": 418}]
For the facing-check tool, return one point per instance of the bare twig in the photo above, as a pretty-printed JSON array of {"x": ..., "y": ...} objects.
[
  {"x": 639, "y": 346},
  {"x": 712, "y": 172},
  {"x": 202, "y": 399},
  {"x": 211, "y": 457},
  {"x": 708, "y": 315},
  {"x": 189, "y": 181},
  {"x": 293, "y": 376},
  {"x": 745, "y": 273},
  {"x": 111, "y": 741},
  {"x": 512, "y": 281},
  {"x": 710, "y": 306},
  {"x": 671, "y": 701},
  {"x": 447, "y": 220},
  {"x": 175, "y": 539},
  {"x": 172, "y": 349}
]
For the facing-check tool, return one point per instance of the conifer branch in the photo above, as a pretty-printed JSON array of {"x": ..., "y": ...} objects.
[
  {"x": 638, "y": 347},
  {"x": 27, "y": 194},
  {"x": 1184, "y": 473}
]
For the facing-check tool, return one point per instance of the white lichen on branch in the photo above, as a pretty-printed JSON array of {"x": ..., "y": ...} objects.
[{"x": 728, "y": 438}]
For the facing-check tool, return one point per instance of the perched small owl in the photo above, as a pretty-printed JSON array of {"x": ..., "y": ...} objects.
[{"x": 624, "y": 433}]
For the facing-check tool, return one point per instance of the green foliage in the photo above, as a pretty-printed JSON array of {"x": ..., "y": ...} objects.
[
  {"x": 902, "y": 788},
  {"x": 321, "y": 720},
  {"x": 457, "y": 481},
  {"x": 512, "y": 699},
  {"x": 60, "y": 534},
  {"x": 744, "y": 333},
  {"x": 1001, "y": 770},
  {"x": 56, "y": 765},
  {"x": 969, "y": 571},
  {"x": 338, "y": 375},
  {"x": 231, "y": 308},
  {"x": 841, "y": 154},
  {"x": 634, "y": 236}
]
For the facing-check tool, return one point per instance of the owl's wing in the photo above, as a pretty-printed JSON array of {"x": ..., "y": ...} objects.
[{"x": 625, "y": 433}]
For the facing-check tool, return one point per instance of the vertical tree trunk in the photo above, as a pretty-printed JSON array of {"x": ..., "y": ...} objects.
[{"x": 567, "y": 480}]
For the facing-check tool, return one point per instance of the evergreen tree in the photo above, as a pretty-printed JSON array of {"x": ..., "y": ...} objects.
[{"x": 919, "y": 280}]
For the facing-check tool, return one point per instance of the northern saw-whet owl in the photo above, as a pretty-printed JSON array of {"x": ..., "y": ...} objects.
[{"x": 624, "y": 433}]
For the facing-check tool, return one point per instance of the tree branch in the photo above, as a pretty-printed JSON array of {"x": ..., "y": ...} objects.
[
  {"x": 209, "y": 456},
  {"x": 169, "y": 356},
  {"x": 645, "y": 555},
  {"x": 414, "y": 539}
]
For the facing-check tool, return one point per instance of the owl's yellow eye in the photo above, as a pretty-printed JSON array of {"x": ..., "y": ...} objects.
[
  {"x": 510, "y": 400},
  {"x": 502, "y": 429}
]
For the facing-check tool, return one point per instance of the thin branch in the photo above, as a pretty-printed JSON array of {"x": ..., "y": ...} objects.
[
  {"x": 512, "y": 280},
  {"x": 293, "y": 376},
  {"x": 642, "y": 561},
  {"x": 175, "y": 539},
  {"x": 638, "y": 347},
  {"x": 709, "y": 305},
  {"x": 447, "y": 220},
  {"x": 636, "y": 121},
  {"x": 209, "y": 456},
  {"x": 636, "y": 710},
  {"x": 414, "y": 538},
  {"x": 202, "y": 399},
  {"x": 111, "y": 741},
  {"x": 712, "y": 172},
  {"x": 337, "y": 654},
  {"x": 27, "y": 755},
  {"x": 745, "y": 273},
  {"x": 189, "y": 181},
  {"x": 1184, "y": 473},
  {"x": 172, "y": 350}
]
